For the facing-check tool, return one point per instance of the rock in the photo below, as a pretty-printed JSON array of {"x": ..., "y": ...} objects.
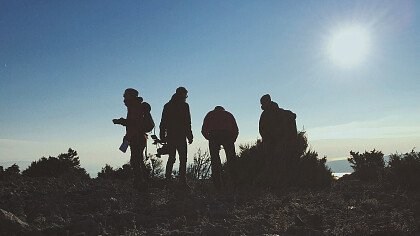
[{"x": 11, "y": 224}]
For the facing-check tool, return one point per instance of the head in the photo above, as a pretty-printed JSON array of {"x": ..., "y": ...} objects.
[
  {"x": 265, "y": 101},
  {"x": 130, "y": 96},
  {"x": 181, "y": 93},
  {"x": 219, "y": 108}
]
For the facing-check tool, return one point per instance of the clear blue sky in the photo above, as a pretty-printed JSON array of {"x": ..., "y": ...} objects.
[{"x": 65, "y": 64}]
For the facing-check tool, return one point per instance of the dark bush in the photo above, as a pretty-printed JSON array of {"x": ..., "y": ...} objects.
[
  {"x": 154, "y": 170},
  {"x": 66, "y": 164},
  {"x": 12, "y": 171},
  {"x": 312, "y": 171},
  {"x": 123, "y": 173},
  {"x": 303, "y": 170},
  {"x": 368, "y": 166},
  {"x": 200, "y": 168},
  {"x": 404, "y": 170}
]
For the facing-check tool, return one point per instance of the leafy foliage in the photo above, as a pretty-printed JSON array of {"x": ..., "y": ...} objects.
[
  {"x": 368, "y": 165},
  {"x": 65, "y": 164},
  {"x": 154, "y": 170},
  {"x": 10, "y": 172},
  {"x": 123, "y": 173},
  {"x": 312, "y": 171},
  {"x": 404, "y": 169},
  {"x": 304, "y": 170},
  {"x": 201, "y": 166}
]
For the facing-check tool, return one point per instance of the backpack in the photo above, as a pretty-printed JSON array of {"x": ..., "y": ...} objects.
[{"x": 148, "y": 123}]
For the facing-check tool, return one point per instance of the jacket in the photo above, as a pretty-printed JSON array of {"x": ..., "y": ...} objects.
[
  {"x": 176, "y": 120},
  {"x": 219, "y": 120}
]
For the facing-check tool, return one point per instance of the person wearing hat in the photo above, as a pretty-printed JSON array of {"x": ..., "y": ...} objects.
[
  {"x": 137, "y": 110},
  {"x": 220, "y": 128},
  {"x": 175, "y": 129}
]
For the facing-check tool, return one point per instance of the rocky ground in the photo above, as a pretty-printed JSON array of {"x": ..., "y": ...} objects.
[{"x": 111, "y": 207}]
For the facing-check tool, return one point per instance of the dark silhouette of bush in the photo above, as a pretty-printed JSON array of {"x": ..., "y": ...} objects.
[
  {"x": 303, "y": 170},
  {"x": 200, "y": 168},
  {"x": 154, "y": 170},
  {"x": 313, "y": 171},
  {"x": 12, "y": 171},
  {"x": 123, "y": 173},
  {"x": 404, "y": 170},
  {"x": 368, "y": 166},
  {"x": 65, "y": 164}
]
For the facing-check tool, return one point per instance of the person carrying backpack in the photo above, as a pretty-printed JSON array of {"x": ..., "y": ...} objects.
[{"x": 138, "y": 122}]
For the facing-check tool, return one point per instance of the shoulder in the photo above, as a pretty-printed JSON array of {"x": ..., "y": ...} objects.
[{"x": 229, "y": 114}]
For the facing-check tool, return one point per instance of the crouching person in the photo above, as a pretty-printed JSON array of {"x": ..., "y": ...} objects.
[{"x": 220, "y": 128}]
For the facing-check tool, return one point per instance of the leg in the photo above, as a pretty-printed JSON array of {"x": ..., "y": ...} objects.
[
  {"x": 136, "y": 159},
  {"x": 144, "y": 170},
  {"x": 216, "y": 165},
  {"x": 171, "y": 161},
  {"x": 231, "y": 160},
  {"x": 182, "y": 152}
]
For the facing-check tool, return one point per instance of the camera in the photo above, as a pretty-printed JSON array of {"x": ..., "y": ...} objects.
[{"x": 162, "y": 147}]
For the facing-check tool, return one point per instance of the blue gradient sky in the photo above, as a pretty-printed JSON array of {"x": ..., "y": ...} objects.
[{"x": 64, "y": 67}]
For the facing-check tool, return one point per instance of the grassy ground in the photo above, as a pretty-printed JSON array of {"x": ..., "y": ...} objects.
[{"x": 92, "y": 207}]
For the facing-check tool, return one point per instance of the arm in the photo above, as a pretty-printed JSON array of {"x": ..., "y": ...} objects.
[
  {"x": 120, "y": 121},
  {"x": 205, "y": 127},
  {"x": 163, "y": 124},
  {"x": 261, "y": 126},
  {"x": 235, "y": 128},
  {"x": 189, "y": 130}
]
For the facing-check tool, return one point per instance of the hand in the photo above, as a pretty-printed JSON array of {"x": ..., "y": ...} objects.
[
  {"x": 190, "y": 141},
  {"x": 117, "y": 121}
]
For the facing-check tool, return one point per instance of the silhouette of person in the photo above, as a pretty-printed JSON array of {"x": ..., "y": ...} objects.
[
  {"x": 220, "y": 128},
  {"x": 135, "y": 134},
  {"x": 279, "y": 134},
  {"x": 175, "y": 129}
]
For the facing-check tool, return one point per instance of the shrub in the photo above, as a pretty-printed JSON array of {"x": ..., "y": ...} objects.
[
  {"x": 154, "y": 170},
  {"x": 303, "y": 170},
  {"x": 12, "y": 171},
  {"x": 312, "y": 171},
  {"x": 65, "y": 164},
  {"x": 201, "y": 166},
  {"x": 404, "y": 170},
  {"x": 368, "y": 166},
  {"x": 123, "y": 173}
]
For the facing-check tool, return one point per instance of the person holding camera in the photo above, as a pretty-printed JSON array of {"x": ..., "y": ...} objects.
[
  {"x": 175, "y": 130},
  {"x": 137, "y": 123},
  {"x": 220, "y": 128}
]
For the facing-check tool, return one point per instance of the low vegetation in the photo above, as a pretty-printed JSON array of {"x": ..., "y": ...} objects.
[{"x": 55, "y": 196}]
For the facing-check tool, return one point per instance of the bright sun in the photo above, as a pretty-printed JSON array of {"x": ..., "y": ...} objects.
[{"x": 349, "y": 46}]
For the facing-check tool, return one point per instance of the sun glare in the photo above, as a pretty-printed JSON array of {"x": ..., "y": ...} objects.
[{"x": 349, "y": 46}]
